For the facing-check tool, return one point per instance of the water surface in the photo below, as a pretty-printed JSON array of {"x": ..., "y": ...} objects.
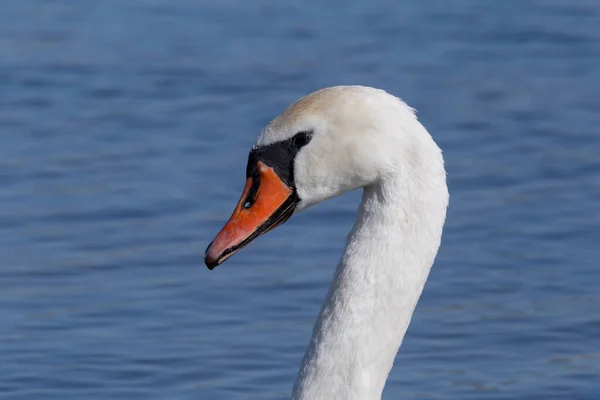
[{"x": 125, "y": 128}]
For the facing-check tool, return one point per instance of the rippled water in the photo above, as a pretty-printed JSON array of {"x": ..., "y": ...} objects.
[{"x": 125, "y": 127}]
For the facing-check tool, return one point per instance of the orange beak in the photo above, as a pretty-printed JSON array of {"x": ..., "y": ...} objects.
[{"x": 266, "y": 202}]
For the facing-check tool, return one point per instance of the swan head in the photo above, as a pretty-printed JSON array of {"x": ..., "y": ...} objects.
[{"x": 330, "y": 142}]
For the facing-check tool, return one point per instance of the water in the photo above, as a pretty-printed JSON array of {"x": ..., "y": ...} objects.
[{"x": 125, "y": 128}]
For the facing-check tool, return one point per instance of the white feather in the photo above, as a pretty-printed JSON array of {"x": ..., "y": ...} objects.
[{"x": 365, "y": 137}]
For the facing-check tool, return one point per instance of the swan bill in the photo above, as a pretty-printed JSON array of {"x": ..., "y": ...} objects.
[{"x": 266, "y": 202}]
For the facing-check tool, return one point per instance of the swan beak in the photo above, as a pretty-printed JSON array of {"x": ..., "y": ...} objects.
[{"x": 266, "y": 202}]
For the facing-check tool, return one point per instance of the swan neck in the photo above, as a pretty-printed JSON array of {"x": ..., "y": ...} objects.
[{"x": 376, "y": 286}]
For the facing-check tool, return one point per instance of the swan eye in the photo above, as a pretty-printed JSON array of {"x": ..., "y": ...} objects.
[{"x": 302, "y": 138}]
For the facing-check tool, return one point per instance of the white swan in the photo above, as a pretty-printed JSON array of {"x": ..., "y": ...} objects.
[{"x": 327, "y": 143}]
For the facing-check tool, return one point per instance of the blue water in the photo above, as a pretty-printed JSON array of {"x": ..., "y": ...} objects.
[{"x": 125, "y": 127}]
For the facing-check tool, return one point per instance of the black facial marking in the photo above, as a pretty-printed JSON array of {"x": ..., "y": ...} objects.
[{"x": 279, "y": 156}]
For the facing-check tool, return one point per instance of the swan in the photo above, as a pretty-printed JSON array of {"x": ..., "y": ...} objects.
[{"x": 333, "y": 141}]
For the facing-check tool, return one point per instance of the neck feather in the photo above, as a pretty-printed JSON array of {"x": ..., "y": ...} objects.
[{"x": 375, "y": 289}]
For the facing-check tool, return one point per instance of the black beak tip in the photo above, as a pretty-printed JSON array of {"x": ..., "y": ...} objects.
[{"x": 210, "y": 263}]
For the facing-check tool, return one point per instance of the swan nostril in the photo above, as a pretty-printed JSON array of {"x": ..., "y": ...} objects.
[{"x": 247, "y": 204}]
